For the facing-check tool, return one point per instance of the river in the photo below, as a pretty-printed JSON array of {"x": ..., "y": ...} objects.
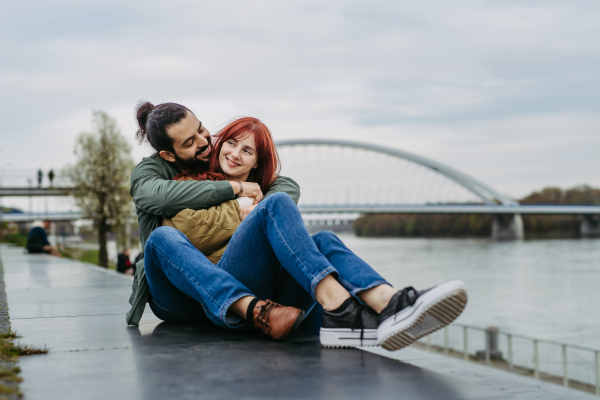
[{"x": 548, "y": 289}]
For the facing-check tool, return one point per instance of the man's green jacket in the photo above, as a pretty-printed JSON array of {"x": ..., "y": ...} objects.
[{"x": 156, "y": 196}]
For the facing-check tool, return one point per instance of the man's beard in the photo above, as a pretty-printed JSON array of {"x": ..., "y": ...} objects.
[{"x": 194, "y": 164}]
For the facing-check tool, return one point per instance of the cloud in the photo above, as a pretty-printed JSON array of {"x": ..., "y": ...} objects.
[{"x": 503, "y": 91}]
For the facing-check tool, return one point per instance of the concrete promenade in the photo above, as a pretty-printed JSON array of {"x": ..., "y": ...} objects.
[{"x": 78, "y": 311}]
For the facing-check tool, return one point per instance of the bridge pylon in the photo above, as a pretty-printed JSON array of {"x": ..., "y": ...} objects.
[
  {"x": 590, "y": 226},
  {"x": 507, "y": 227}
]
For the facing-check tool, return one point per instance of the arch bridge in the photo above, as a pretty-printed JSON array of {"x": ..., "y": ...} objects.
[
  {"x": 342, "y": 179},
  {"x": 346, "y": 177}
]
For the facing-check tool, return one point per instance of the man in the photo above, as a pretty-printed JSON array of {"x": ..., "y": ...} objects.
[
  {"x": 156, "y": 195},
  {"x": 37, "y": 241}
]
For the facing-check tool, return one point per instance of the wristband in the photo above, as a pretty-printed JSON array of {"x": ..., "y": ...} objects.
[{"x": 241, "y": 189}]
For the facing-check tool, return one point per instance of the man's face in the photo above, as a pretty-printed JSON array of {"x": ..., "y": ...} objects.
[{"x": 191, "y": 143}]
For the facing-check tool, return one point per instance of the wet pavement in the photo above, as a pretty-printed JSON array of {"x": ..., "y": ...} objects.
[{"x": 78, "y": 311}]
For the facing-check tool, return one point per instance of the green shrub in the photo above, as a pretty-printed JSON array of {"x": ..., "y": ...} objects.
[
  {"x": 90, "y": 256},
  {"x": 15, "y": 238}
]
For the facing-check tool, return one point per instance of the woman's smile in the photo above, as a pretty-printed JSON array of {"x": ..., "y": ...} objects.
[{"x": 231, "y": 163}]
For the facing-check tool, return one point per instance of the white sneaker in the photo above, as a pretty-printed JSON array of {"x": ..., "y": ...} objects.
[{"x": 413, "y": 314}]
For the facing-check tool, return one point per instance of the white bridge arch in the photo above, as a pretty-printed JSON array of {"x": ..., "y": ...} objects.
[
  {"x": 339, "y": 176},
  {"x": 329, "y": 173}
]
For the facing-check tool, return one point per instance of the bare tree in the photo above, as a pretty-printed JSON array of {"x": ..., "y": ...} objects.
[{"x": 101, "y": 175}]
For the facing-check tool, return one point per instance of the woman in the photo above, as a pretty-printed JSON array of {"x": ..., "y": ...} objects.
[
  {"x": 210, "y": 230},
  {"x": 272, "y": 254}
]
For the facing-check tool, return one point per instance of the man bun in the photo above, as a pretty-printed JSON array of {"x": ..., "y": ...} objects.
[
  {"x": 153, "y": 122},
  {"x": 143, "y": 111}
]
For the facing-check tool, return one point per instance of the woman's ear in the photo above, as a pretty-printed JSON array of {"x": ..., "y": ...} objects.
[
  {"x": 167, "y": 155},
  {"x": 255, "y": 166}
]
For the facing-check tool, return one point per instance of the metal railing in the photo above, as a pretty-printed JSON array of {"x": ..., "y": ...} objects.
[{"x": 573, "y": 366}]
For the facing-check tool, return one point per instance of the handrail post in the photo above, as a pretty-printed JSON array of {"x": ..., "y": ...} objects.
[
  {"x": 488, "y": 356},
  {"x": 465, "y": 344},
  {"x": 446, "y": 341},
  {"x": 598, "y": 372},
  {"x": 565, "y": 369},
  {"x": 536, "y": 360},
  {"x": 510, "y": 352}
]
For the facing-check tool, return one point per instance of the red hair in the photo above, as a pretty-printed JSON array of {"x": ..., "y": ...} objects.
[
  {"x": 267, "y": 158},
  {"x": 199, "y": 176}
]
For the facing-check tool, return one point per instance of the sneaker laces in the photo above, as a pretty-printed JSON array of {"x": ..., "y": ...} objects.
[
  {"x": 265, "y": 312},
  {"x": 405, "y": 300},
  {"x": 358, "y": 321}
]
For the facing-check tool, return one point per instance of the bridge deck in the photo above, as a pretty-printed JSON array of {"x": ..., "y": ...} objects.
[
  {"x": 46, "y": 191},
  {"x": 78, "y": 311},
  {"x": 455, "y": 209},
  {"x": 358, "y": 209}
]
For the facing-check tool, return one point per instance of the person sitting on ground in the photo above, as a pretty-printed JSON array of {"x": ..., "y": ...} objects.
[
  {"x": 156, "y": 196},
  {"x": 37, "y": 241},
  {"x": 272, "y": 256},
  {"x": 124, "y": 263}
]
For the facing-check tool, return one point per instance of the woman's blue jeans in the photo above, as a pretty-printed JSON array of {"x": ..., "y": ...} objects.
[{"x": 270, "y": 256}]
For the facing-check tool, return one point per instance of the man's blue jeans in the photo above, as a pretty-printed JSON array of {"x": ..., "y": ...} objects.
[{"x": 270, "y": 256}]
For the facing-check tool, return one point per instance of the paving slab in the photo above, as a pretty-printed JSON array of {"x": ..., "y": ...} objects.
[
  {"x": 493, "y": 381},
  {"x": 78, "y": 311}
]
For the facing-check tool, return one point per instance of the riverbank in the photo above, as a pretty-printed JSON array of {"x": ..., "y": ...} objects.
[
  {"x": 461, "y": 226},
  {"x": 480, "y": 225}
]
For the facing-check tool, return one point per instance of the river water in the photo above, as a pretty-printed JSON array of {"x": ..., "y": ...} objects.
[{"x": 547, "y": 289}]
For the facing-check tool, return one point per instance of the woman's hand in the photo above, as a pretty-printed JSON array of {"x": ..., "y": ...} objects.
[
  {"x": 251, "y": 189},
  {"x": 244, "y": 211}
]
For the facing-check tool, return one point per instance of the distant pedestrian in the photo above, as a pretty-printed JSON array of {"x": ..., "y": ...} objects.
[
  {"x": 40, "y": 177},
  {"x": 51, "y": 177},
  {"x": 37, "y": 241},
  {"x": 124, "y": 263}
]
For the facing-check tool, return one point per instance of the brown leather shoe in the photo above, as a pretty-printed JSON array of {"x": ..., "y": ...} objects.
[{"x": 276, "y": 320}]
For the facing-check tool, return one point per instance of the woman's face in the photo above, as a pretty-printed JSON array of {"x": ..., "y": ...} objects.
[{"x": 238, "y": 157}]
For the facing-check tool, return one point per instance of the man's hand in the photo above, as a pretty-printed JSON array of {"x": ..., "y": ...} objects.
[
  {"x": 244, "y": 211},
  {"x": 251, "y": 189}
]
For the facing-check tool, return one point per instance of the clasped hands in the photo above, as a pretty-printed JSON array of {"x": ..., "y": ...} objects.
[{"x": 252, "y": 190}]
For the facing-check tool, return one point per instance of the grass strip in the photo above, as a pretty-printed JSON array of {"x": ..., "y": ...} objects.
[{"x": 9, "y": 350}]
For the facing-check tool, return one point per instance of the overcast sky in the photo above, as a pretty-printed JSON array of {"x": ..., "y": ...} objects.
[{"x": 507, "y": 92}]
